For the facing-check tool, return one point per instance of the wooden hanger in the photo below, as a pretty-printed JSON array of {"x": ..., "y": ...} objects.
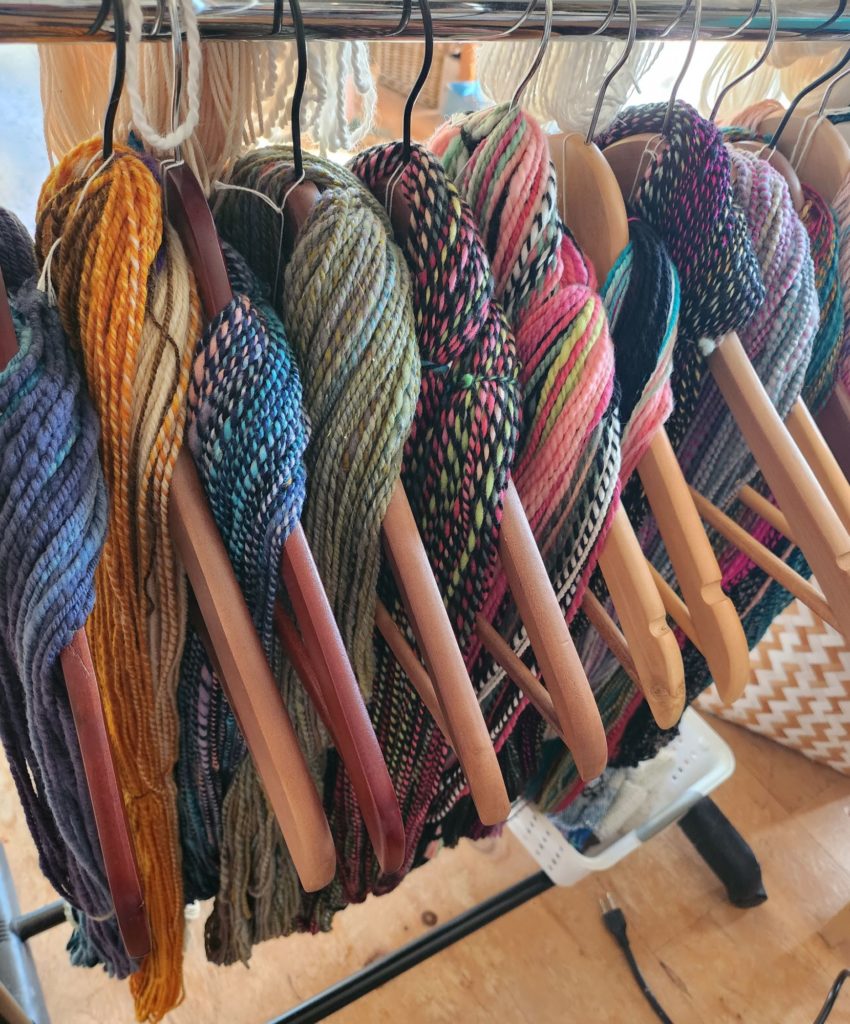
[
  {"x": 110, "y": 817},
  {"x": 824, "y": 539},
  {"x": 595, "y": 188}
]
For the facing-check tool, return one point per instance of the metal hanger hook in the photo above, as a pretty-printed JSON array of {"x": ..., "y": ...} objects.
[
  {"x": 771, "y": 39},
  {"x": 538, "y": 57},
  {"x": 690, "y": 55},
  {"x": 615, "y": 70},
  {"x": 118, "y": 79},
  {"x": 418, "y": 85}
]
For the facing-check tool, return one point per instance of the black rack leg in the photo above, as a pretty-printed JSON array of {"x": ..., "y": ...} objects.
[
  {"x": 725, "y": 851},
  {"x": 17, "y": 970},
  {"x": 357, "y": 985}
]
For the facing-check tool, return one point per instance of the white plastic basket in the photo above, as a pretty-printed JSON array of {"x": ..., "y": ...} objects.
[{"x": 701, "y": 762}]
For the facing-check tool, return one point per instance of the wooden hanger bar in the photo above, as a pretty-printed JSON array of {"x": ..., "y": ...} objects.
[
  {"x": 610, "y": 633},
  {"x": 713, "y": 616},
  {"x": 766, "y": 560},
  {"x": 110, "y": 817},
  {"x": 823, "y": 538},
  {"x": 520, "y": 673},
  {"x": 676, "y": 607},
  {"x": 344, "y": 714},
  {"x": 550, "y": 639},
  {"x": 767, "y": 510},
  {"x": 238, "y": 657}
]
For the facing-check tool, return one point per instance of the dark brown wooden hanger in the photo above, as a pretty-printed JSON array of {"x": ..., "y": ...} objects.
[
  {"x": 113, "y": 831},
  {"x": 318, "y": 652}
]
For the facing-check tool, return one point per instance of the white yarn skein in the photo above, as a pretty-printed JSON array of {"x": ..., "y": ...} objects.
[
  {"x": 567, "y": 84},
  {"x": 181, "y": 132}
]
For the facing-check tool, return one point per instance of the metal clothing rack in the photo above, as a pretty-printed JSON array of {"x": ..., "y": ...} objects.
[
  {"x": 460, "y": 20},
  {"x": 21, "y": 1000}
]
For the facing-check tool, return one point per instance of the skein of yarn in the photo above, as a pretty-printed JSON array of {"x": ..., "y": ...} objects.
[
  {"x": 568, "y": 463},
  {"x": 686, "y": 197},
  {"x": 456, "y": 460},
  {"x": 247, "y": 435},
  {"x": 52, "y": 529},
  {"x": 346, "y": 293},
  {"x": 127, "y": 301}
]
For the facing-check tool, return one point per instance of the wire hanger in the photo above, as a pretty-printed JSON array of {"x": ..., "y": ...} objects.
[
  {"x": 775, "y": 157},
  {"x": 566, "y": 683},
  {"x": 823, "y": 537}
]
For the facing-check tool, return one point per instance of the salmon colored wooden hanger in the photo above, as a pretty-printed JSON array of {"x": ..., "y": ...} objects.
[
  {"x": 567, "y": 685},
  {"x": 110, "y": 817},
  {"x": 824, "y": 539},
  {"x": 539, "y": 609},
  {"x": 723, "y": 641},
  {"x": 227, "y": 628}
]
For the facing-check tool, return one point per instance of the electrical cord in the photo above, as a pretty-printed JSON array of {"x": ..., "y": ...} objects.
[
  {"x": 831, "y": 998},
  {"x": 615, "y": 921}
]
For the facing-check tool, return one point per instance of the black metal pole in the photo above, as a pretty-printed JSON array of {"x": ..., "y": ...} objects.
[
  {"x": 357, "y": 985},
  {"x": 37, "y": 921}
]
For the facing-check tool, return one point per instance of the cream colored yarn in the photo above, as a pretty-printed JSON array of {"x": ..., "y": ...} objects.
[
  {"x": 246, "y": 89},
  {"x": 790, "y": 66},
  {"x": 567, "y": 84}
]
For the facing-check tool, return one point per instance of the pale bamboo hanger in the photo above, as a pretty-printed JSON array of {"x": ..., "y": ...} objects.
[
  {"x": 597, "y": 217},
  {"x": 833, "y": 157},
  {"x": 521, "y": 560},
  {"x": 826, "y": 542},
  {"x": 227, "y": 627}
]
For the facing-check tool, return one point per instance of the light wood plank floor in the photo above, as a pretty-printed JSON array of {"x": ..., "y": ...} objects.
[{"x": 551, "y": 960}]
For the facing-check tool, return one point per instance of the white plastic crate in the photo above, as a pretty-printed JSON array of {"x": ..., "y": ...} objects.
[{"x": 701, "y": 762}]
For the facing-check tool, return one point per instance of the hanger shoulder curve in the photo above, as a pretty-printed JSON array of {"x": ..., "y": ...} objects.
[{"x": 825, "y": 165}]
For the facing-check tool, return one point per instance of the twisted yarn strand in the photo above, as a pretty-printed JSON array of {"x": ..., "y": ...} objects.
[{"x": 122, "y": 285}]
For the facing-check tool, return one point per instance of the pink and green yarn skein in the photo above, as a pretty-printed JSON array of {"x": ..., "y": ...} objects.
[{"x": 567, "y": 470}]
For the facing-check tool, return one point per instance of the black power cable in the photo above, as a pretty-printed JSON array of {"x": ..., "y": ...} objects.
[{"x": 615, "y": 921}]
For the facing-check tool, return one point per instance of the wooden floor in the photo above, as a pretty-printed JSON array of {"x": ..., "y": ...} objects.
[{"x": 551, "y": 960}]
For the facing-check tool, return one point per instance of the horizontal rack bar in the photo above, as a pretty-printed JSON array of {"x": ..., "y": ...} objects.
[{"x": 481, "y": 20}]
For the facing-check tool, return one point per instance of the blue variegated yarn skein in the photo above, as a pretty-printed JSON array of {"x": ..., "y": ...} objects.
[{"x": 52, "y": 528}]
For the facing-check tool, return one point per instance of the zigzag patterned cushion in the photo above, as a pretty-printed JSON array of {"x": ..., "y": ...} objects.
[{"x": 799, "y": 692}]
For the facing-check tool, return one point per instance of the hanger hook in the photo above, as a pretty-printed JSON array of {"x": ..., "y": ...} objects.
[
  {"x": 300, "y": 78},
  {"x": 118, "y": 79},
  {"x": 538, "y": 57},
  {"x": 811, "y": 87},
  {"x": 177, "y": 63},
  {"x": 690, "y": 55},
  {"x": 683, "y": 10},
  {"x": 745, "y": 24},
  {"x": 615, "y": 70},
  {"x": 428, "y": 31},
  {"x": 771, "y": 39}
]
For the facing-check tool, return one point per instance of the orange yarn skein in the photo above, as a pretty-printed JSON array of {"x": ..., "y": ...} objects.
[{"x": 135, "y": 326}]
